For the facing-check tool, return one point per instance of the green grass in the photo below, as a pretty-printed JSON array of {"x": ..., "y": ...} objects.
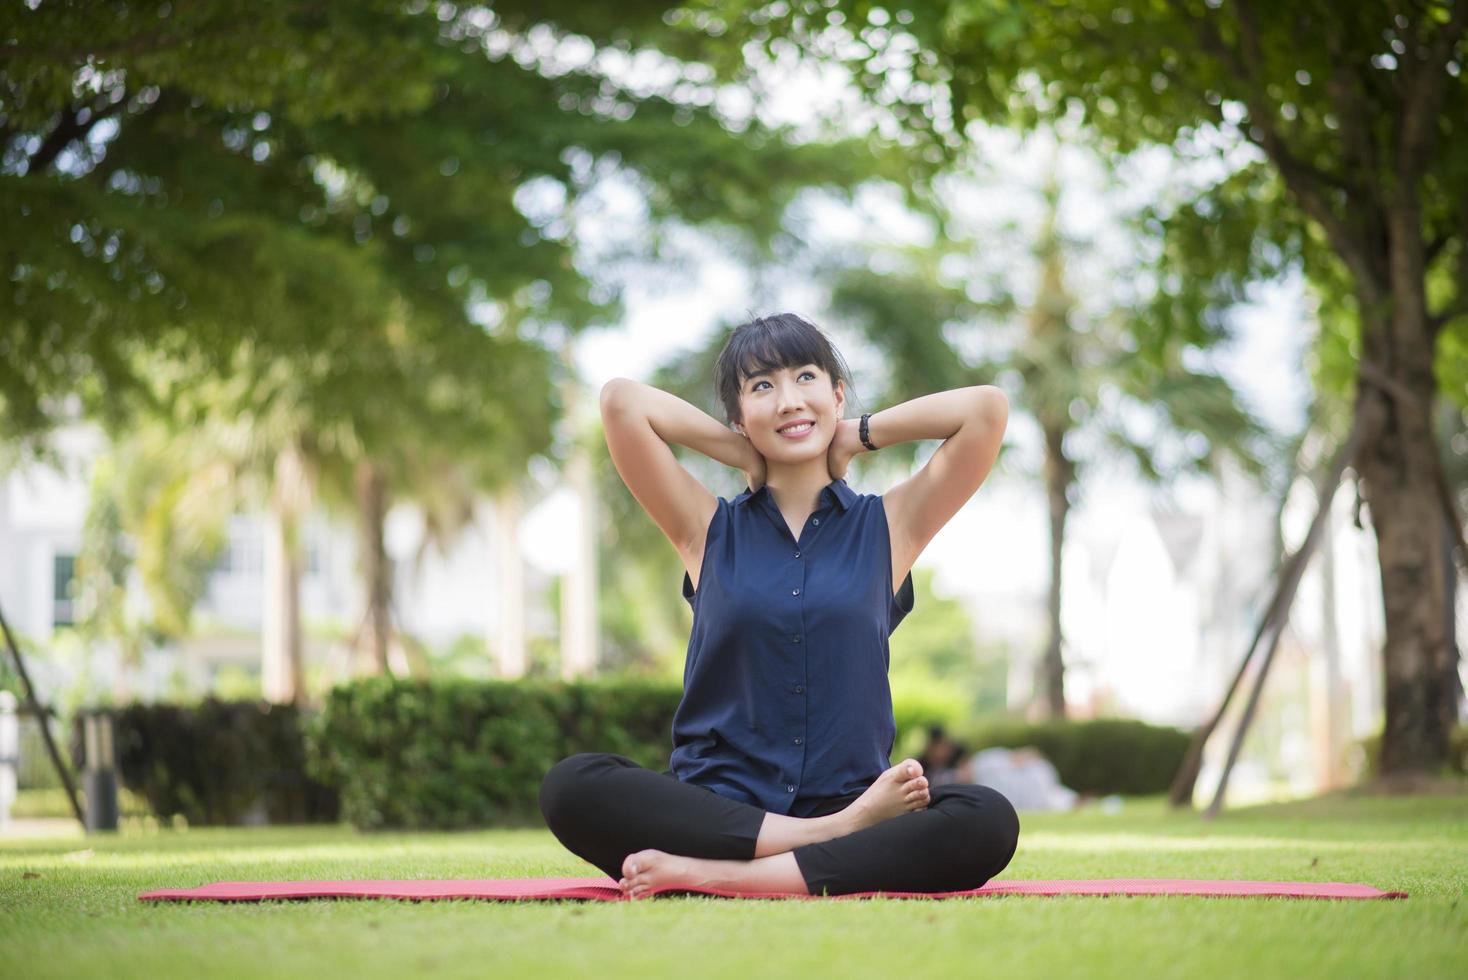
[{"x": 68, "y": 908}]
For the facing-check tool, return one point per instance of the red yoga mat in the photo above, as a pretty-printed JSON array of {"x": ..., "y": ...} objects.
[{"x": 604, "y": 889}]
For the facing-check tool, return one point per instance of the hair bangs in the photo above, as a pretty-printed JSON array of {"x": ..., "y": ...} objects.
[
  {"x": 771, "y": 351},
  {"x": 770, "y": 343}
]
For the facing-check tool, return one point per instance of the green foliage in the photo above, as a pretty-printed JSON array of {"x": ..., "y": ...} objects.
[
  {"x": 473, "y": 753},
  {"x": 215, "y": 762},
  {"x": 940, "y": 671},
  {"x": 937, "y": 638},
  {"x": 918, "y": 702},
  {"x": 346, "y": 236},
  {"x": 9, "y": 677},
  {"x": 1302, "y": 124},
  {"x": 1107, "y": 755},
  {"x": 463, "y": 754},
  {"x": 186, "y": 186}
]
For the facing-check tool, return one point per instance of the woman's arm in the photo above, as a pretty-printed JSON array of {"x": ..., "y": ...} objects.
[
  {"x": 971, "y": 423},
  {"x": 676, "y": 421},
  {"x": 640, "y": 422},
  {"x": 937, "y": 416}
]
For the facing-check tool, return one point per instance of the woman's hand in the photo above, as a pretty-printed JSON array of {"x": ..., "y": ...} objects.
[
  {"x": 845, "y": 444},
  {"x": 754, "y": 467}
]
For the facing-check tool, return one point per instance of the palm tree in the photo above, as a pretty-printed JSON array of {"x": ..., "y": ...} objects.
[{"x": 1073, "y": 368}]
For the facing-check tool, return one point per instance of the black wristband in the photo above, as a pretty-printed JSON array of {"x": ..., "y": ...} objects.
[{"x": 866, "y": 440}]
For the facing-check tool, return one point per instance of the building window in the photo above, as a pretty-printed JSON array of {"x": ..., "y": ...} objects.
[
  {"x": 62, "y": 577},
  {"x": 243, "y": 552}
]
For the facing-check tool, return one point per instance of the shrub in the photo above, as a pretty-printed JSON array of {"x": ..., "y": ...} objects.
[
  {"x": 917, "y": 705},
  {"x": 465, "y": 753},
  {"x": 217, "y": 762},
  {"x": 1108, "y": 755}
]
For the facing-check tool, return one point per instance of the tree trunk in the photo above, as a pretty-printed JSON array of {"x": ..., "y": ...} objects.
[
  {"x": 578, "y": 586},
  {"x": 1329, "y": 701},
  {"x": 1051, "y": 351},
  {"x": 511, "y": 658},
  {"x": 281, "y": 673},
  {"x": 375, "y": 568},
  {"x": 1059, "y": 473},
  {"x": 1398, "y": 465},
  {"x": 1450, "y": 425}
]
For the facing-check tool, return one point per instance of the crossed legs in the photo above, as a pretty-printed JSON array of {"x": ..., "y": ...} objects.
[{"x": 651, "y": 832}]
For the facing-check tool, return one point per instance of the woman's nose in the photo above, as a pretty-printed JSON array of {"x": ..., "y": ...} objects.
[{"x": 790, "y": 400}]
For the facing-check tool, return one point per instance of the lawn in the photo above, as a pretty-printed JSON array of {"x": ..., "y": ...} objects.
[{"x": 68, "y": 908}]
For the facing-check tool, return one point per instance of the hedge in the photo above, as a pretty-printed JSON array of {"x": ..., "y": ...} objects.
[
  {"x": 1107, "y": 755},
  {"x": 385, "y": 752},
  {"x": 463, "y": 753},
  {"x": 216, "y": 762}
]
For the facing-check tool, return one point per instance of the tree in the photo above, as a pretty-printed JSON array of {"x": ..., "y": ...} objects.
[
  {"x": 166, "y": 173},
  {"x": 375, "y": 203},
  {"x": 1070, "y": 363},
  {"x": 1357, "y": 175}
]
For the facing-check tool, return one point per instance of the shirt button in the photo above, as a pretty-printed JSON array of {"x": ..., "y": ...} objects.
[
  {"x": 799, "y": 689},
  {"x": 799, "y": 740},
  {"x": 795, "y": 592},
  {"x": 789, "y": 789},
  {"x": 815, "y": 520},
  {"x": 797, "y": 554},
  {"x": 795, "y": 638}
]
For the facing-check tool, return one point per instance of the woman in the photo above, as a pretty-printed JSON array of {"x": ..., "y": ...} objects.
[{"x": 778, "y": 780}]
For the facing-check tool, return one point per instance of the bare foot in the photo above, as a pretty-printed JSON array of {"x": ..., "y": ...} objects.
[
  {"x": 901, "y": 789},
  {"x": 644, "y": 872}
]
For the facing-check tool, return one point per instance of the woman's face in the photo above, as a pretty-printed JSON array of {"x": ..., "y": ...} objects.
[{"x": 775, "y": 400}]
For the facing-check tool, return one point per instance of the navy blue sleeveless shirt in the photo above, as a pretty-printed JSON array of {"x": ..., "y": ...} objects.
[{"x": 785, "y": 693}]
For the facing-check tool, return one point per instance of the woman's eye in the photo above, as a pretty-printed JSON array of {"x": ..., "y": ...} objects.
[{"x": 802, "y": 374}]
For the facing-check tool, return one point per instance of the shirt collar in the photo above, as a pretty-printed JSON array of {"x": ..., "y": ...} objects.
[{"x": 836, "y": 490}]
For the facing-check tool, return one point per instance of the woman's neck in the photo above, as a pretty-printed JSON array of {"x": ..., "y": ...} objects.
[{"x": 798, "y": 488}]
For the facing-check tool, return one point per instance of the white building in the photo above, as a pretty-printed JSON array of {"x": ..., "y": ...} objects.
[{"x": 439, "y": 598}]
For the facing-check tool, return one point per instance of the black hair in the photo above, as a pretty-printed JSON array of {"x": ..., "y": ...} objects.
[{"x": 767, "y": 343}]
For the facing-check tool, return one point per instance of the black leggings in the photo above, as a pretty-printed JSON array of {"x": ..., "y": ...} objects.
[{"x": 603, "y": 807}]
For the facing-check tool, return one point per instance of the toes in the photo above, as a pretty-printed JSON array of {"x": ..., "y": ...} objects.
[
  {"x": 907, "y": 769},
  {"x": 633, "y": 864}
]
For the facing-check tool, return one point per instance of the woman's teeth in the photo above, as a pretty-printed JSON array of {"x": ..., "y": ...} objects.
[{"x": 796, "y": 430}]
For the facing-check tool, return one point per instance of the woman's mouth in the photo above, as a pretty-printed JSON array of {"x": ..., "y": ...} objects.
[{"x": 797, "y": 431}]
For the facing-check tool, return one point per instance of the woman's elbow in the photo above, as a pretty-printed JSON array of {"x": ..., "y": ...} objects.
[
  {"x": 616, "y": 393},
  {"x": 993, "y": 406}
]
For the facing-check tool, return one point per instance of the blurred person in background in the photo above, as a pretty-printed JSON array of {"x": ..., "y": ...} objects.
[{"x": 944, "y": 760}]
